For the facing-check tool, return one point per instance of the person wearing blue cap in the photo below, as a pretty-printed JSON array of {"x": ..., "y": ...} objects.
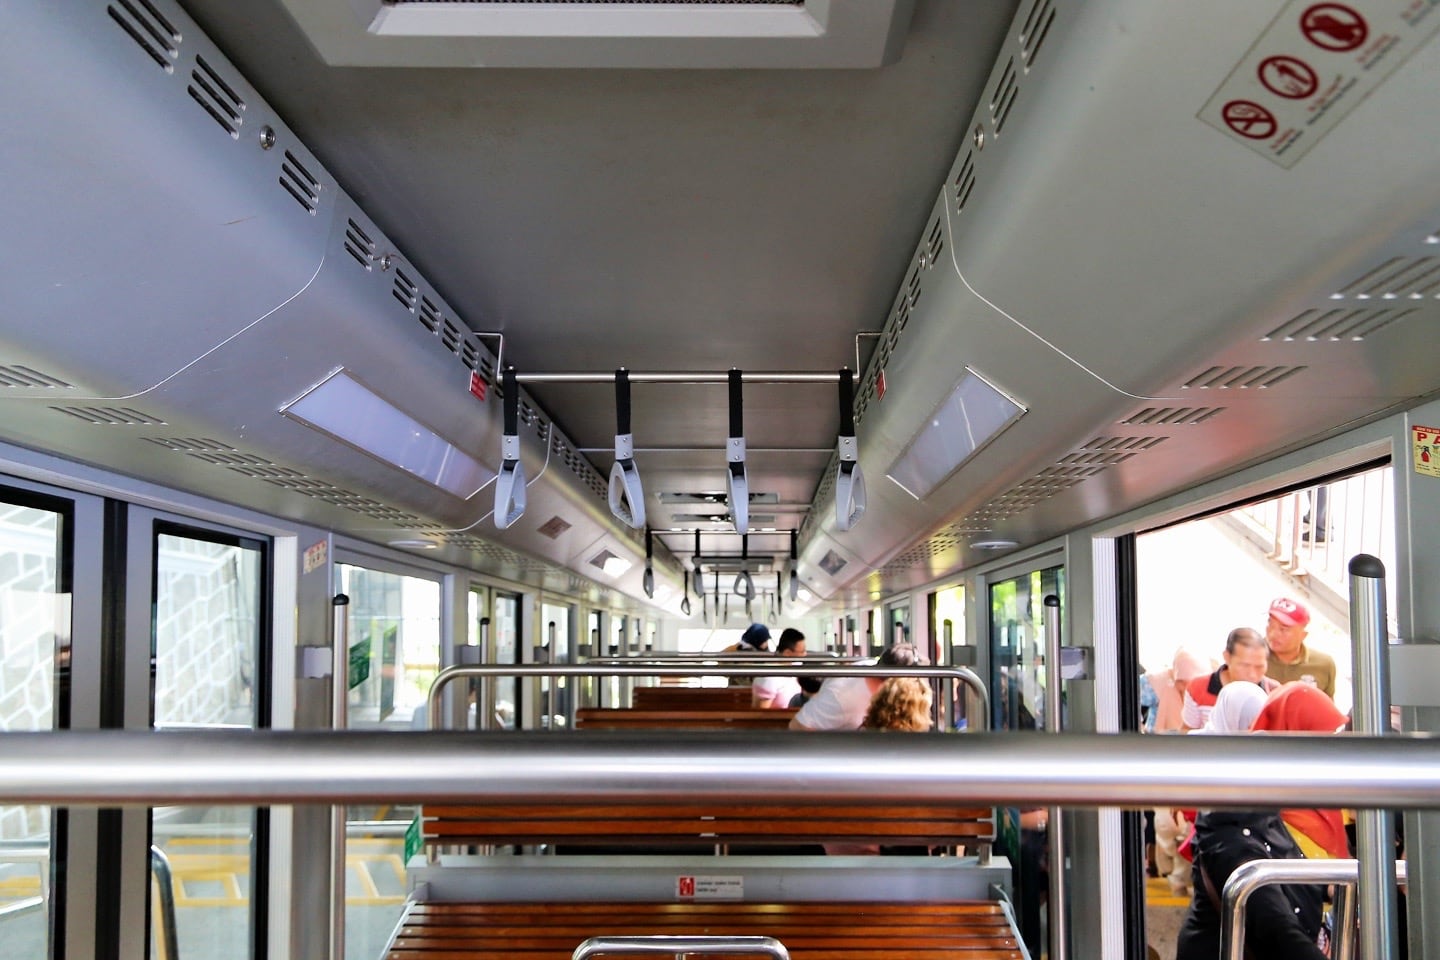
[{"x": 756, "y": 638}]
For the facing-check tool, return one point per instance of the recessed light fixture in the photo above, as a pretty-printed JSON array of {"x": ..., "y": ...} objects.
[
  {"x": 415, "y": 544},
  {"x": 612, "y": 565},
  {"x": 972, "y": 415},
  {"x": 994, "y": 544},
  {"x": 342, "y": 407}
]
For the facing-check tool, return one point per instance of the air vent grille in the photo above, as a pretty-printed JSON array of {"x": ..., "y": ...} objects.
[
  {"x": 1075, "y": 467},
  {"x": 1167, "y": 416},
  {"x": 1397, "y": 277},
  {"x": 359, "y": 245},
  {"x": 1037, "y": 27},
  {"x": 1003, "y": 97},
  {"x": 111, "y": 416},
  {"x": 217, "y": 97},
  {"x": 149, "y": 29},
  {"x": 19, "y": 375},
  {"x": 921, "y": 554},
  {"x": 1241, "y": 378},
  {"x": 452, "y": 335},
  {"x": 905, "y": 303},
  {"x": 554, "y": 527},
  {"x": 300, "y": 183},
  {"x": 579, "y": 466},
  {"x": 191, "y": 444},
  {"x": 1338, "y": 324},
  {"x": 404, "y": 290},
  {"x": 429, "y": 315},
  {"x": 964, "y": 180}
]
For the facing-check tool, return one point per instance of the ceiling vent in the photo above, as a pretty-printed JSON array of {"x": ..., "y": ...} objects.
[
  {"x": 217, "y": 97},
  {"x": 1240, "y": 378},
  {"x": 553, "y": 527},
  {"x": 1168, "y": 416},
  {"x": 149, "y": 29},
  {"x": 19, "y": 375},
  {"x": 301, "y": 184},
  {"x": 1413, "y": 277},
  {"x": 111, "y": 416},
  {"x": 1341, "y": 323},
  {"x": 698, "y": 34}
]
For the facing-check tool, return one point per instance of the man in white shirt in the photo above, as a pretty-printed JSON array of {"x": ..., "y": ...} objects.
[
  {"x": 775, "y": 693},
  {"x": 842, "y": 701}
]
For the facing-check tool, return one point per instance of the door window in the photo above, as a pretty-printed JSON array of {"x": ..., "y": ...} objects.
[
  {"x": 207, "y": 671},
  {"x": 34, "y": 621}
]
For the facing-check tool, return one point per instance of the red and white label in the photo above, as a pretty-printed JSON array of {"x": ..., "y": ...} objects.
[
  {"x": 477, "y": 386},
  {"x": 1334, "y": 27},
  {"x": 880, "y": 385},
  {"x": 710, "y": 888}
]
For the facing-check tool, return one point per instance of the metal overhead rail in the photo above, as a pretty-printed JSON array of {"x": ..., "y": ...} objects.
[
  {"x": 698, "y": 376},
  {"x": 266, "y": 767}
]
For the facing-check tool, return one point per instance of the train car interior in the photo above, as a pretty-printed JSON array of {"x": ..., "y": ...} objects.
[{"x": 403, "y": 365}]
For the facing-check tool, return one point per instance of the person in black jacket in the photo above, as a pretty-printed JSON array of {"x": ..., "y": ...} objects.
[{"x": 1282, "y": 922}]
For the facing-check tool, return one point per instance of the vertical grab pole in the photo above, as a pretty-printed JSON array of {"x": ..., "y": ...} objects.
[
  {"x": 1374, "y": 829},
  {"x": 1058, "y": 910},
  {"x": 340, "y": 691}
]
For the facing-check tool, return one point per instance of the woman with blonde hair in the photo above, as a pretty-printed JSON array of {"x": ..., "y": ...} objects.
[{"x": 901, "y": 703}]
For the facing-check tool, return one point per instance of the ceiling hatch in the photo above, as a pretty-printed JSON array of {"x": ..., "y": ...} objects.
[{"x": 738, "y": 34}]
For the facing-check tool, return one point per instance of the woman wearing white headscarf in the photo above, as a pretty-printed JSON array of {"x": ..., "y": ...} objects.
[{"x": 1236, "y": 708}]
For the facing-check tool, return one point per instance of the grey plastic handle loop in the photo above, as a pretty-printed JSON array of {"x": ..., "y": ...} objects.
[
  {"x": 745, "y": 585},
  {"x": 510, "y": 484},
  {"x": 849, "y": 487},
  {"x": 737, "y": 485},
  {"x": 627, "y": 497}
]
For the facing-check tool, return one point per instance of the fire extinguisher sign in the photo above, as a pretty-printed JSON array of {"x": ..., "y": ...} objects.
[{"x": 1425, "y": 445}]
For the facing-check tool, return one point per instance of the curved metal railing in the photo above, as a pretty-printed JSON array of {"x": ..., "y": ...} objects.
[{"x": 750, "y": 668}]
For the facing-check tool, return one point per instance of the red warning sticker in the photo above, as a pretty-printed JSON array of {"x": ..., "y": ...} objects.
[
  {"x": 477, "y": 385},
  {"x": 1310, "y": 67},
  {"x": 1249, "y": 119},
  {"x": 880, "y": 385},
  {"x": 1288, "y": 77},
  {"x": 1334, "y": 27}
]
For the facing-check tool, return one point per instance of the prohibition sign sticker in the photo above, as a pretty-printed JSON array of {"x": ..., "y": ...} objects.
[
  {"x": 1249, "y": 119},
  {"x": 1288, "y": 77},
  {"x": 1334, "y": 27}
]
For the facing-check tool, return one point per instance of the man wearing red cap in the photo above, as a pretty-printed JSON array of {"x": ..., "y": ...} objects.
[{"x": 1290, "y": 659}]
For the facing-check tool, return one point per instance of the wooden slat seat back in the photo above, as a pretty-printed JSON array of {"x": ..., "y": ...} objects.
[
  {"x": 714, "y": 822},
  {"x": 966, "y": 930},
  {"x": 690, "y": 698},
  {"x": 729, "y": 718}
]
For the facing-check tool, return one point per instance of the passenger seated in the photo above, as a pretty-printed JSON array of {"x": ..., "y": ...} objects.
[
  {"x": 776, "y": 692},
  {"x": 809, "y": 686},
  {"x": 842, "y": 701},
  {"x": 901, "y": 703}
]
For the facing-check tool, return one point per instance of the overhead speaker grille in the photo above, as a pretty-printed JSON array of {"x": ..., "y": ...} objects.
[
  {"x": 1240, "y": 378},
  {"x": 1075, "y": 467},
  {"x": 1339, "y": 324},
  {"x": 217, "y": 97},
  {"x": 149, "y": 29}
]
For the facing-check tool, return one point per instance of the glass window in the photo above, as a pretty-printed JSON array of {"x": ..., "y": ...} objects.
[
  {"x": 506, "y": 627},
  {"x": 554, "y": 648},
  {"x": 208, "y": 638},
  {"x": 34, "y": 620},
  {"x": 394, "y": 655},
  {"x": 948, "y": 646}
]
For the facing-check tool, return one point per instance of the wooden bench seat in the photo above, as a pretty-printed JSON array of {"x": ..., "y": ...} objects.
[
  {"x": 970, "y": 930},
  {"x": 690, "y": 698},
  {"x": 709, "y": 823},
  {"x": 728, "y": 718}
]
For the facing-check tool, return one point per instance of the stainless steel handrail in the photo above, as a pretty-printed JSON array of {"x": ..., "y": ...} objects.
[
  {"x": 165, "y": 877},
  {"x": 1058, "y": 910},
  {"x": 1249, "y": 877},
  {"x": 749, "y": 669},
  {"x": 263, "y": 767},
  {"x": 680, "y": 946}
]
